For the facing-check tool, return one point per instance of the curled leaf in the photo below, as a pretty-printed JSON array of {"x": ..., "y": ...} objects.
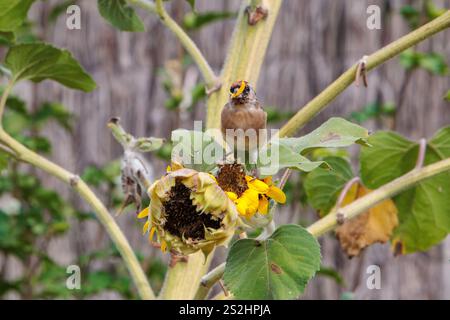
[{"x": 375, "y": 225}]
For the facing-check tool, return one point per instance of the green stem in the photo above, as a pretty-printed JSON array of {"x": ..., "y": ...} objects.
[
  {"x": 3, "y": 99},
  {"x": 158, "y": 8},
  {"x": 24, "y": 154},
  {"x": 312, "y": 108},
  {"x": 208, "y": 281},
  {"x": 245, "y": 56},
  {"x": 387, "y": 191},
  {"x": 183, "y": 280}
]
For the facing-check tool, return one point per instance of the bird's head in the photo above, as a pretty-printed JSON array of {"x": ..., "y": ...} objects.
[{"x": 240, "y": 91}]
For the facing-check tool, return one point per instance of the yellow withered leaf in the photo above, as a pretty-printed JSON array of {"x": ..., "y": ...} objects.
[{"x": 375, "y": 225}]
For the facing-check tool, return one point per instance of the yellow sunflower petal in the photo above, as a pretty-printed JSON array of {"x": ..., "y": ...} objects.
[
  {"x": 263, "y": 207},
  {"x": 152, "y": 233},
  {"x": 145, "y": 227},
  {"x": 241, "y": 207},
  {"x": 233, "y": 196},
  {"x": 144, "y": 213},
  {"x": 268, "y": 180},
  {"x": 258, "y": 185},
  {"x": 163, "y": 246},
  {"x": 252, "y": 197},
  {"x": 276, "y": 194},
  {"x": 214, "y": 178}
]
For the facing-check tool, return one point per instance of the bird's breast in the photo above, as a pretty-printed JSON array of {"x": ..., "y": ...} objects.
[{"x": 243, "y": 117}]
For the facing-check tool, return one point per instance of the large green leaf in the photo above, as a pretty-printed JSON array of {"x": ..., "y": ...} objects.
[
  {"x": 13, "y": 13},
  {"x": 277, "y": 268},
  {"x": 287, "y": 158},
  {"x": 423, "y": 211},
  {"x": 40, "y": 61},
  {"x": 335, "y": 133},
  {"x": 196, "y": 149},
  {"x": 120, "y": 15},
  {"x": 390, "y": 156},
  {"x": 323, "y": 186}
]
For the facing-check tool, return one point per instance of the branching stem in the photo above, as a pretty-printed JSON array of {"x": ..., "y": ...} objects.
[
  {"x": 312, "y": 108},
  {"x": 24, "y": 154},
  {"x": 387, "y": 191}
]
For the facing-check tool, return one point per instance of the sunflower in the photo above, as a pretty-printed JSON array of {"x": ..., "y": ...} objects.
[
  {"x": 189, "y": 212},
  {"x": 250, "y": 194}
]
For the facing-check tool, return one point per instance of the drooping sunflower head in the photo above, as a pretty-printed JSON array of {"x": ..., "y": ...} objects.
[{"x": 189, "y": 212}]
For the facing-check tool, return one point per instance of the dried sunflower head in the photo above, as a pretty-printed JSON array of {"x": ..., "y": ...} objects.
[{"x": 189, "y": 212}]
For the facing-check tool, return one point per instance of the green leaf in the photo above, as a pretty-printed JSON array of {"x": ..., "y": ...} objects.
[
  {"x": 52, "y": 111},
  {"x": 7, "y": 38},
  {"x": 332, "y": 274},
  {"x": 274, "y": 114},
  {"x": 13, "y": 13},
  {"x": 287, "y": 158},
  {"x": 59, "y": 8},
  {"x": 194, "y": 21},
  {"x": 196, "y": 149},
  {"x": 276, "y": 268},
  {"x": 191, "y": 3},
  {"x": 447, "y": 96},
  {"x": 4, "y": 158},
  {"x": 423, "y": 210},
  {"x": 120, "y": 15},
  {"x": 372, "y": 110},
  {"x": 410, "y": 14},
  {"x": 323, "y": 186},
  {"x": 409, "y": 59},
  {"x": 335, "y": 133},
  {"x": 434, "y": 63},
  {"x": 432, "y": 10},
  {"x": 390, "y": 156},
  {"x": 39, "y": 61}
]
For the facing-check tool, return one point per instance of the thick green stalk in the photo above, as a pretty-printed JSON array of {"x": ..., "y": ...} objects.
[
  {"x": 244, "y": 61},
  {"x": 312, "y": 108},
  {"x": 245, "y": 55}
]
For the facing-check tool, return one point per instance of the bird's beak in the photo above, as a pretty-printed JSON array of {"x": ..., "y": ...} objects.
[{"x": 239, "y": 91}]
